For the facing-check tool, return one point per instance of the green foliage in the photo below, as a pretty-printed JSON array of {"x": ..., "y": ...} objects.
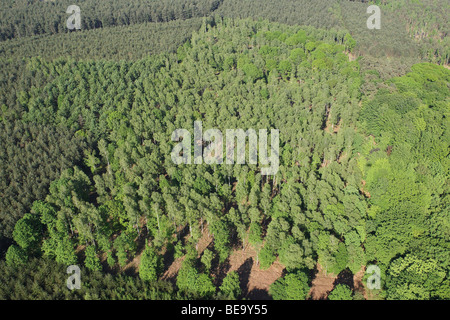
[
  {"x": 204, "y": 286},
  {"x": 90, "y": 140},
  {"x": 252, "y": 72},
  {"x": 125, "y": 246},
  {"x": 207, "y": 258},
  {"x": 298, "y": 38},
  {"x": 409, "y": 28},
  {"x": 46, "y": 18},
  {"x": 411, "y": 278},
  {"x": 294, "y": 286},
  {"x": 341, "y": 259},
  {"x": 266, "y": 257},
  {"x": 62, "y": 249},
  {"x": 221, "y": 239},
  {"x": 43, "y": 279},
  {"x": 341, "y": 292},
  {"x": 254, "y": 236},
  {"x": 179, "y": 251},
  {"x": 92, "y": 262},
  {"x": 297, "y": 55},
  {"x": 16, "y": 256},
  {"x": 28, "y": 232},
  {"x": 349, "y": 42},
  {"x": 231, "y": 286},
  {"x": 190, "y": 281},
  {"x": 285, "y": 67},
  {"x": 150, "y": 265},
  {"x": 34, "y": 155}
]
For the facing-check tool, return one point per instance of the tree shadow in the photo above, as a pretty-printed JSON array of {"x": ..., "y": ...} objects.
[
  {"x": 168, "y": 257},
  {"x": 219, "y": 270},
  {"x": 182, "y": 234},
  {"x": 311, "y": 273},
  {"x": 4, "y": 245},
  {"x": 345, "y": 277},
  {"x": 244, "y": 275},
  {"x": 141, "y": 242},
  {"x": 259, "y": 294}
]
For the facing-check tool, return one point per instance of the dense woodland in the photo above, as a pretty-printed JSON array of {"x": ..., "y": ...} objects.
[
  {"x": 24, "y": 18},
  {"x": 86, "y": 120}
]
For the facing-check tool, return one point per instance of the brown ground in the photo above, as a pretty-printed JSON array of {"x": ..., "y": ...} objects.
[
  {"x": 366, "y": 193},
  {"x": 172, "y": 271},
  {"x": 255, "y": 282},
  {"x": 331, "y": 128},
  {"x": 358, "y": 282},
  {"x": 80, "y": 248},
  {"x": 172, "y": 268},
  {"x": 351, "y": 56},
  {"x": 204, "y": 241},
  {"x": 322, "y": 284},
  {"x": 133, "y": 266}
]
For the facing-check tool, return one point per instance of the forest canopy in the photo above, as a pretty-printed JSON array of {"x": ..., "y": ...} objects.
[{"x": 87, "y": 177}]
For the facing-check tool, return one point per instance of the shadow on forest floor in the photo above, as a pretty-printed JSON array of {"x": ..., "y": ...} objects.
[
  {"x": 259, "y": 294},
  {"x": 244, "y": 275},
  {"x": 345, "y": 277}
]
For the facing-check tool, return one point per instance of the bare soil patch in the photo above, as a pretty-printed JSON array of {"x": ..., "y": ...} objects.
[
  {"x": 171, "y": 266},
  {"x": 359, "y": 284},
  {"x": 173, "y": 269},
  {"x": 255, "y": 283},
  {"x": 205, "y": 241},
  {"x": 322, "y": 284}
]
